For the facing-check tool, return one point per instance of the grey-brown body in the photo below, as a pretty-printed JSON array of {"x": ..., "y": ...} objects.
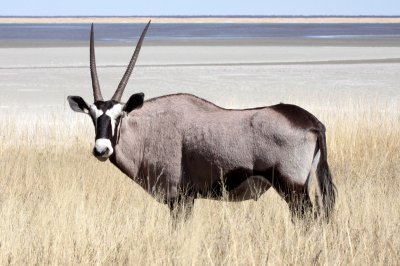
[{"x": 183, "y": 144}]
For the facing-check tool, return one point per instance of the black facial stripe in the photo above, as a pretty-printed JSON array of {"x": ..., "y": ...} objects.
[{"x": 103, "y": 127}]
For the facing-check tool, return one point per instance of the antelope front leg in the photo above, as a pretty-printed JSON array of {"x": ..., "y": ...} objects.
[{"x": 181, "y": 208}]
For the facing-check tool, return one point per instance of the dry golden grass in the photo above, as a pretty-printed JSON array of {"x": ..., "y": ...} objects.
[{"x": 59, "y": 205}]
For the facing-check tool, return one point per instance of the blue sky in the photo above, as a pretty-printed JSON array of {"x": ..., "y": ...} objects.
[{"x": 199, "y": 7}]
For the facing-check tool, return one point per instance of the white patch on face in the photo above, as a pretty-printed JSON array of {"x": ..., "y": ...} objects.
[
  {"x": 96, "y": 111},
  {"x": 114, "y": 113},
  {"x": 102, "y": 144}
]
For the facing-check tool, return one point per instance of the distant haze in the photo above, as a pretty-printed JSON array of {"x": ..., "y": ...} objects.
[{"x": 194, "y": 8}]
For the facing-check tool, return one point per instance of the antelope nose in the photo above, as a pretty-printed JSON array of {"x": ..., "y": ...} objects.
[{"x": 99, "y": 151}]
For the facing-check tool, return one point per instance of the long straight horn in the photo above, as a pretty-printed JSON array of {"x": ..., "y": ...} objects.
[
  {"x": 118, "y": 93},
  {"x": 93, "y": 72}
]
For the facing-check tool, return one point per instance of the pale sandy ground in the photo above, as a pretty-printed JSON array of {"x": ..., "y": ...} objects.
[{"x": 39, "y": 79}]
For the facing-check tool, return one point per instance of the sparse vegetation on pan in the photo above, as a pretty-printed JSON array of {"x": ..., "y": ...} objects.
[{"x": 59, "y": 205}]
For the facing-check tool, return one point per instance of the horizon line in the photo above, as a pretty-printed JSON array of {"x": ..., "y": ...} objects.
[{"x": 205, "y": 16}]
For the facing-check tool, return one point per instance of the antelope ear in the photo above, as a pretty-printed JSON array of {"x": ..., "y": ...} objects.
[
  {"x": 78, "y": 104},
  {"x": 134, "y": 102}
]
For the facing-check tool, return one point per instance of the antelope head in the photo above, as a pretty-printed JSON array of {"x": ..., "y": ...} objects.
[{"x": 106, "y": 115}]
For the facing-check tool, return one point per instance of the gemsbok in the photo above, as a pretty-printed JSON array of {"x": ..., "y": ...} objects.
[{"x": 180, "y": 147}]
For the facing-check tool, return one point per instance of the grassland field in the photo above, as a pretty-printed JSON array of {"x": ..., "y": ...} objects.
[{"x": 59, "y": 205}]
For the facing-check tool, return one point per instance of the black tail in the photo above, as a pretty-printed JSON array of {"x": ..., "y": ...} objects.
[{"x": 326, "y": 186}]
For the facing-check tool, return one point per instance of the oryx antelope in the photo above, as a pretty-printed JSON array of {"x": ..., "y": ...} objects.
[{"x": 180, "y": 147}]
